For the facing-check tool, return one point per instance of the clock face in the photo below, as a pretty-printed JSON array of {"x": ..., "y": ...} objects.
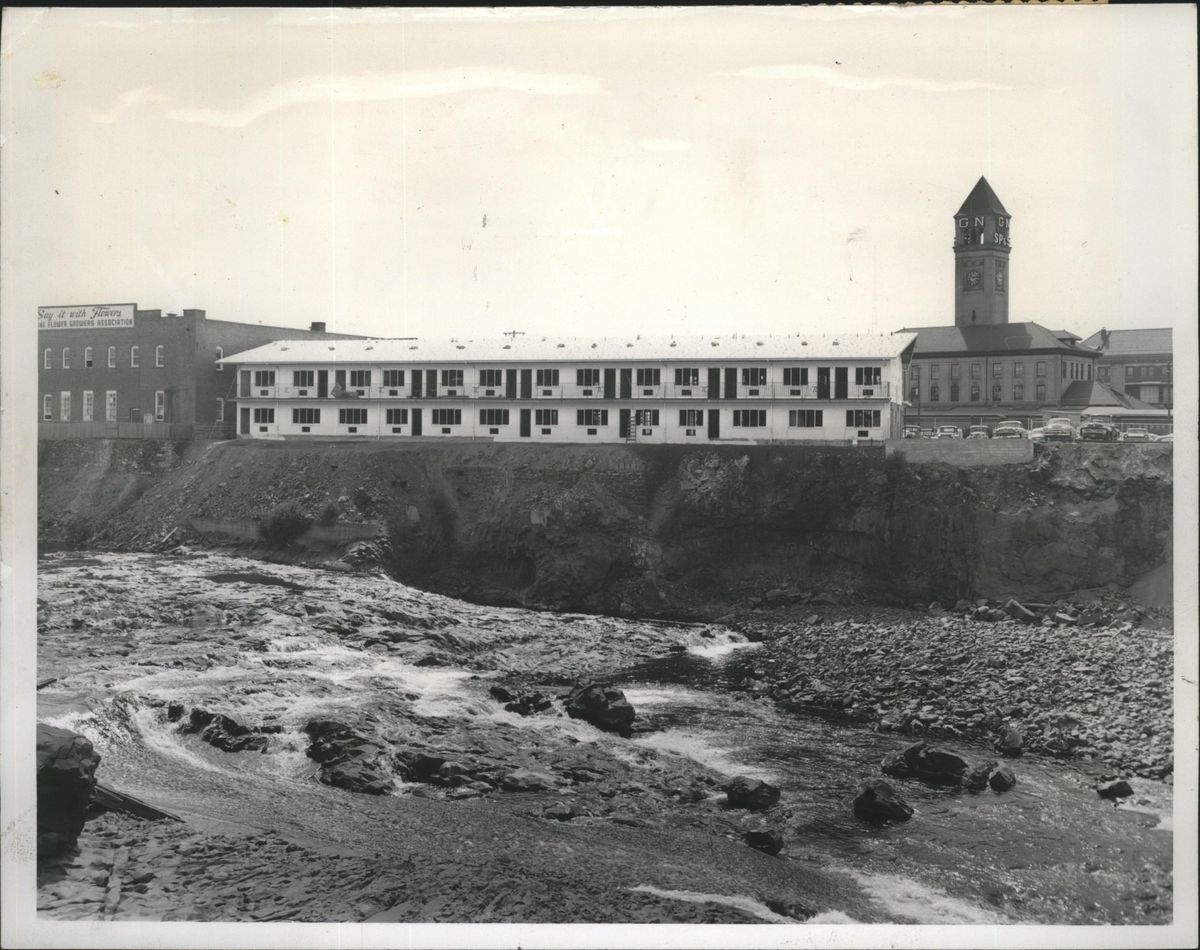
[{"x": 973, "y": 278}]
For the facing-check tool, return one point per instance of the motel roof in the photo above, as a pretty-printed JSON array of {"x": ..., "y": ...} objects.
[{"x": 532, "y": 348}]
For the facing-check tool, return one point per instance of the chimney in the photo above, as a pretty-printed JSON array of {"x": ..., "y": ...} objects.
[
  {"x": 318, "y": 326},
  {"x": 1104, "y": 339}
]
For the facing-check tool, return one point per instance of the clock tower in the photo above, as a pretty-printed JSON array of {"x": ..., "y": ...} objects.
[{"x": 981, "y": 248}]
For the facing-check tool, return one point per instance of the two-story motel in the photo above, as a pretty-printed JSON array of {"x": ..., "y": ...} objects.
[{"x": 800, "y": 387}]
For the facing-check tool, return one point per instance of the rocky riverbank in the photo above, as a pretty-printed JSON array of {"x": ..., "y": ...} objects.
[{"x": 1093, "y": 685}]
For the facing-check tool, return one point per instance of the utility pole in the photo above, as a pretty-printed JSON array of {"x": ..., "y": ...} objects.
[{"x": 513, "y": 334}]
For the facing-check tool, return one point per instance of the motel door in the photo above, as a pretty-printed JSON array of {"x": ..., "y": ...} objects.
[
  {"x": 626, "y": 383},
  {"x": 244, "y": 375},
  {"x": 416, "y": 415},
  {"x": 244, "y": 428},
  {"x": 822, "y": 382},
  {"x": 624, "y": 430},
  {"x": 714, "y": 383},
  {"x": 416, "y": 385},
  {"x": 610, "y": 384},
  {"x": 841, "y": 388},
  {"x": 322, "y": 383},
  {"x": 510, "y": 384},
  {"x": 714, "y": 423},
  {"x": 526, "y": 384},
  {"x": 525, "y": 414},
  {"x": 431, "y": 382},
  {"x": 731, "y": 382}
]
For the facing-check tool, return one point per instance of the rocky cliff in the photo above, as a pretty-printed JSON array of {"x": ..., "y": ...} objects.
[{"x": 669, "y": 530}]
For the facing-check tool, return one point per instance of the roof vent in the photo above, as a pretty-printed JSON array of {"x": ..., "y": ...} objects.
[
  {"x": 370, "y": 347},
  {"x": 411, "y": 347},
  {"x": 804, "y": 342},
  {"x": 460, "y": 347},
  {"x": 333, "y": 347},
  {"x": 713, "y": 343},
  {"x": 758, "y": 342},
  {"x": 507, "y": 346},
  {"x": 628, "y": 346},
  {"x": 561, "y": 345},
  {"x": 673, "y": 343},
  {"x": 835, "y": 343},
  {"x": 593, "y": 346}
]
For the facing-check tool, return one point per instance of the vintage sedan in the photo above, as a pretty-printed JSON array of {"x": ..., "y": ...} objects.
[
  {"x": 1010, "y": 429},
  {"x": 1059, "y": 430},
  {"x": 1099, "y": 428},
  {"x": 948, "y": 432},
  {"x": 912, "y": 432},
  {"x": 1136, "y": 434},
  {"x": 1037, "y": 434},
  {"x": 978, "y": 432}
]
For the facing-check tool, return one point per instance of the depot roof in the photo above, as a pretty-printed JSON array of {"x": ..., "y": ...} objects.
[
  {"x": 539, "y": 349},
  {"x": 998, "y": 338}
]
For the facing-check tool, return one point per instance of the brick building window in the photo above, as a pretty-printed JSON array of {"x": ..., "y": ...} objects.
[
  {"x": 974, "y": 392},
  {"x": 64, "y": 406},
  {"x": 110, "y": 405},
  {"x": 954, "y": 371},
  {"x": 66, "y": 357},
  {"x": 46, "y": 358},
  {"x": 935, "y": 371},
  {"x": 87, "y": 357},
  {"x": 996, "y": 392},
  {"x": 160, "y": 405},
  {"x": 160, "y": 356},
  {"x": 934, "y": 392},
  {"x": 1040, "y": 392},
  {"x": 1018, "y": 370},
  {"x": 997, "y": 370},
  {"x": 47, "y": 406},
  {"x": 134, "y": 358},
  {"x": 89, "y": 405},
  {"x": 112, "y": 357},
  {"x": 1018, "y": 392},
  {"x": 975, "y": 371},
  {"x": 954, "y": 392},
  {"x": 1041, "y": 368},
  {"x": 220, "y": 410},
  {"x": 220, "y": 356}
]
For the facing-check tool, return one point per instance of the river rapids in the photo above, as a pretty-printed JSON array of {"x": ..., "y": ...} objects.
[{"x": 616, "y": 829}]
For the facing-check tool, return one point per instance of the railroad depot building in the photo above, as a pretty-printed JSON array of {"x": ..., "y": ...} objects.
[
  {"x": 1137, "y": 363},
  {"x": 680, "y": 390},
  {"x": 114, "y": 370}
]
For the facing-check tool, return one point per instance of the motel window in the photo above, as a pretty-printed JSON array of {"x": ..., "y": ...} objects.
[
  {"x": 862, "y": 418},
  {"x": 220, "y": 410},
  {"x": 493, "y": 417},
  {"x": 750, "y": 418},
  {"x": 691, "y": 418},
  {"x": 447, "y": 417},
  {"x": 646, "y": 417},
  {"x": 87, "y": 357},
  {"x": 160, "y": 405},
  {"x": 806, "y": 418},
  {"x": 264, "y": 377},
  {"x": 134, "y": 357},
  {"x": 110, "y": 406},
  {"x": 997, "y": 370},
  {"x": 1018, "y": 392},
  {"x": 491, "y": 378},
  {"x": 220, "y": 356},
  {"x": 452, "y": 378},
  {"x": 754, "y": 376},
  {"x": 47, "y": 406},
  {"x": 64, "y": 406},
  {"x": 1019, "y": 370},
  {"x": 997, "y": 392},
  {"x": 547, "y": 377},
  {"x": 649, "y": 377},
  {"x": 975, "y": 371},
  {"x": 303, "y": 378},
  {"x": 397, "y": 417},
  {"x": 66, "y": 357},
  {"x": 592, "y": 417},
  {"x": 1041, "y": 368},
  {"x": 159, "y": 356},
  {"x": 361, "y": 378},
  {"x": 587, "y": 378},
  {"x": 687, "y": 376},
  {"x": 975, "y": 392},
  {"x": 393, "y": 378},
  {"x": 872, "y": 375},
  {"x": 354, "y": 417},
  {"x": 954, "y": 392},
  {"x": 112, "y": 357},
  {"x": 546, "y": 417},
  {"x": 954, "y": 371},
  {"x": 306, "y": 416},
  {"x": 934, "y": 392},
  {"x": 264, "y": 415},
  {"x": 1040, "y": 392},
  {"x": 798, "y": 375},
  {"x": 89, "y": 405}
]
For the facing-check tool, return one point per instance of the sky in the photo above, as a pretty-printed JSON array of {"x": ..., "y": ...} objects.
[{"x": 436, "y": 173}]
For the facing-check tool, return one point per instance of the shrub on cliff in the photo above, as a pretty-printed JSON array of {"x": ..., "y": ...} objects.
[{"x": 285, "y": 523}]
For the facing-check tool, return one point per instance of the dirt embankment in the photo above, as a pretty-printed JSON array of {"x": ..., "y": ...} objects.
[{"x": 648, "y": 530}]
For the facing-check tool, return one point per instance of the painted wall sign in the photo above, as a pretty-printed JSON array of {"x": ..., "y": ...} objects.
[{"x": 97, "y": 317}]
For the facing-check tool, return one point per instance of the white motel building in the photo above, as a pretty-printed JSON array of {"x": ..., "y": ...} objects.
[{"x": 743, "y": 388}]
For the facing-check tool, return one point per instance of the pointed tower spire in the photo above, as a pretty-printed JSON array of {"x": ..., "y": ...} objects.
[
  {"x": 982, "y": 242},
  {"x": 982, "y": 199}
]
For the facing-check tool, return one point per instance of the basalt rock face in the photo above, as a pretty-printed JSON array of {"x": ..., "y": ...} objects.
[
  {"x": 605, "y": 707},
  {"x": 648, "y": 529},
  {"x": 66, "y": 777}
]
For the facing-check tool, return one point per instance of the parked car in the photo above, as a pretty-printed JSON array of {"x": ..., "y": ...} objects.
[
  {"x": 1037, "y": 434},
  {"x": 978, "y": 432},
  {"x": 912, "y": 432},
  {"x": 1136, "y": 434},
  {"x": 1098, "y": 428},
  {"x": 1059, "y": 430},
  {"x": 948, "y": 432},
  {"x": 928, "y": 434},
  {"x": 1010, "y": 429},
  {"x": 1169, "y": 437}
]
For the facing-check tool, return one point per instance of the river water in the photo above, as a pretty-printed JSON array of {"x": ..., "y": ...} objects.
[{"x": 277, "y": 646}]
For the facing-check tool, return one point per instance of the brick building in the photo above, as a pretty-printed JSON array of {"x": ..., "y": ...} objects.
[
  {"x": 1138, "y": 363},
  {"x": 114, "y": 370}
]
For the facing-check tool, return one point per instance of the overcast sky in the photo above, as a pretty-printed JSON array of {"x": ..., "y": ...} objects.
[{"x": 440, "y": 173}]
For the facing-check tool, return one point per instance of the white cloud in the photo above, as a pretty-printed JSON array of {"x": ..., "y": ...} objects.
[
  {"x": 379, "y": 88},
  {"x": 665, "y": 145},
  {"x": 842, "y": 79},
  {"x": 126, "y": 101}
]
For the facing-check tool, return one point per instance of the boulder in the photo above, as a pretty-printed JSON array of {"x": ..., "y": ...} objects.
[
  {"x": 348, "y": 760},
  {"x": 823, "y": 599},
  {"x": 1002, "y": 779},
  {"x": 750, "y": 793},
  {"x": 976, "y": 777},
  {"x": 1019, "y": 611},
  {"x": 878, "y": 802},
  {"x": 560, "y": 811},
  {"x": 66, "y": 777},
  {"x": 929, "y": 765},
  {"x": 605, "y": 707},
  {"x": 769, "y": 842},
  {"x": 1114, "y": 790},
  {"x": 527, "y": 780},
  {"x": 1011, "y": 743},
  {"x": 223, "y": 733}
]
